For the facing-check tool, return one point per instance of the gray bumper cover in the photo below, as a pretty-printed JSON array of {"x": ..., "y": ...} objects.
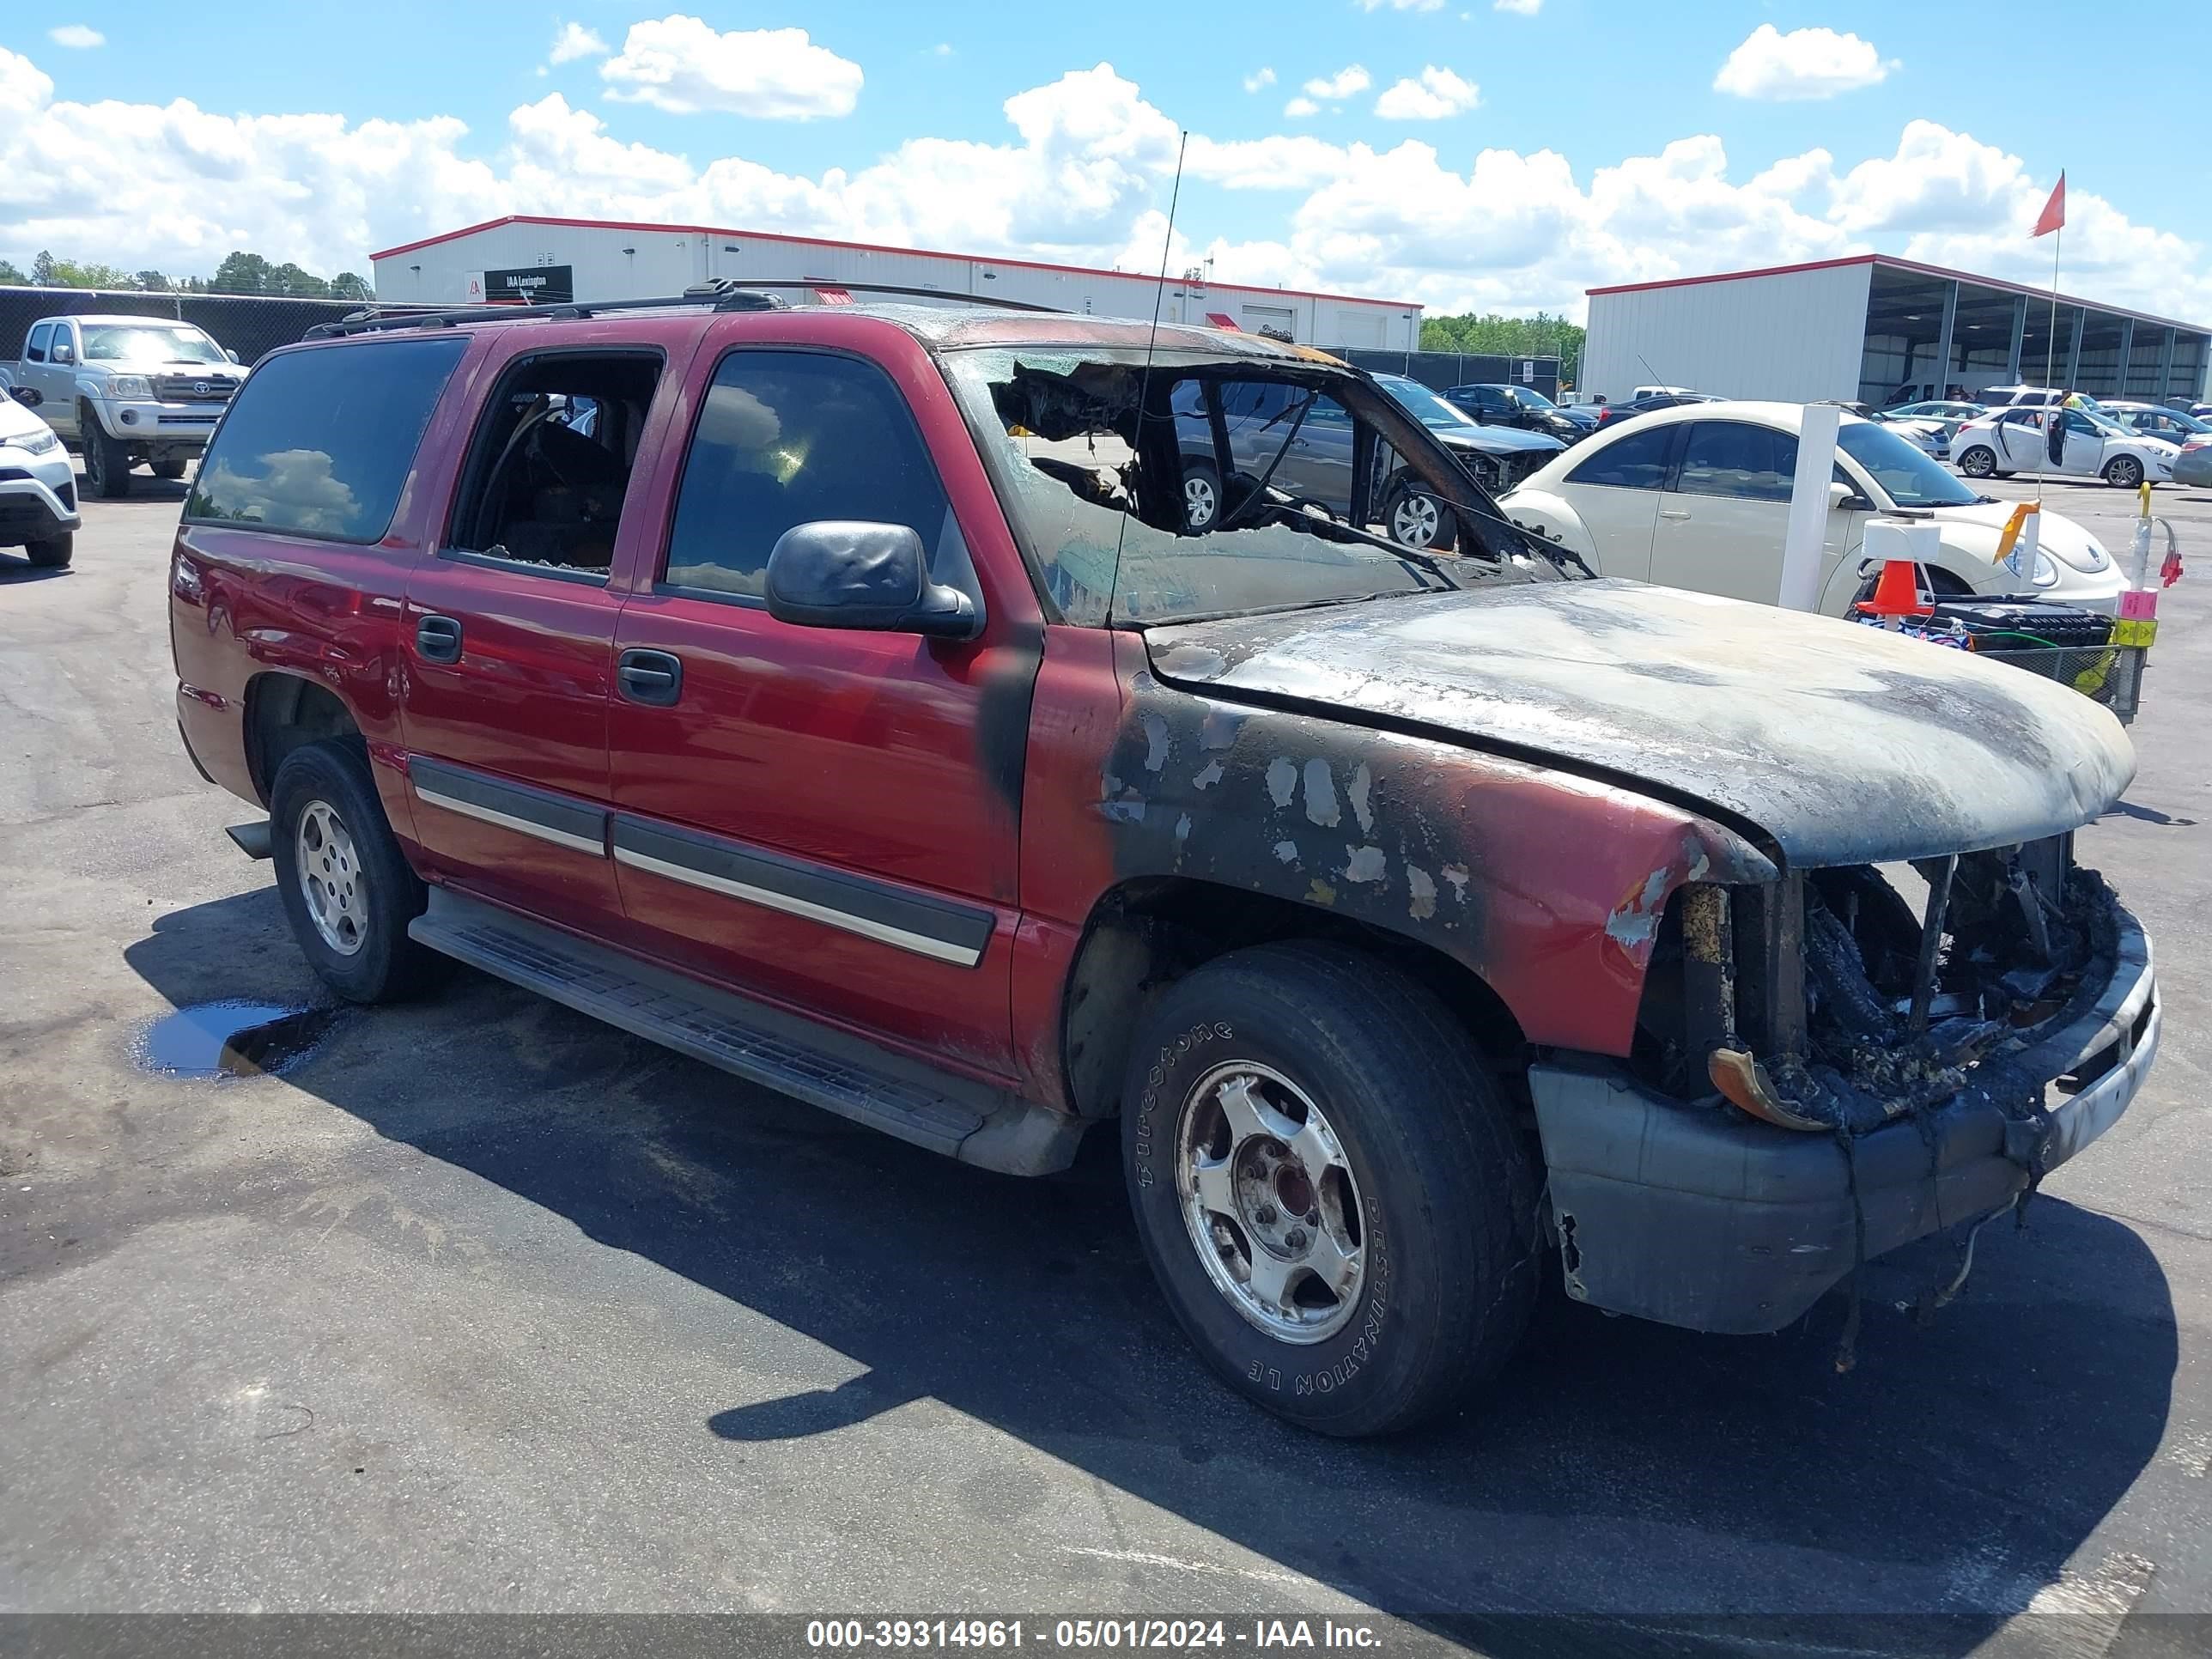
[{"x": 1698, "y": 1216}]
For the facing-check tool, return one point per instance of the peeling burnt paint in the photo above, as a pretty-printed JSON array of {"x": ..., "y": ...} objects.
[{"x": 1837, "y": 744}]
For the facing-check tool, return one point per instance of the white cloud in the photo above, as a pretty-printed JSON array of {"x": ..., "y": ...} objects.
[
  {"x": 1080, "y": 174},
  {"x": 573, "y": 41},
  {"x": 1299, "y": 108},
  {"x": 682, "y": 65},
  {"x": 1804, "y": 64},
  {"x": 1258, "y": 78},
  {"x": 1401, "y": 5},
  {"x": 942, "y": 49},
  {"x": 1431, "y": 96},
  {"x": 1520, "y": 7},
  {"x": 1352, "y": 78},
  {"x": 78, "y": 37}
]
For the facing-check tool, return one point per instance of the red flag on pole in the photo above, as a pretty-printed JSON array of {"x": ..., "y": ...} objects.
[{"x": 2054, "y": 210}]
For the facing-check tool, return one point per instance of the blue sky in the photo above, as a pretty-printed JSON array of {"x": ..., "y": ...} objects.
[{"x": 1934, "y": 132}]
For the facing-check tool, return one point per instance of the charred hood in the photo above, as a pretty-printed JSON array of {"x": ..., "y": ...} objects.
[{"x": 1838, "y": 744}]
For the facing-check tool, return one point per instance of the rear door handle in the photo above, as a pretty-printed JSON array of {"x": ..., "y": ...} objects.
[
  {"x": 1671, "y": 512},
  {"x": 652, "y": 678},
  {"x": 439, "y": 639}
]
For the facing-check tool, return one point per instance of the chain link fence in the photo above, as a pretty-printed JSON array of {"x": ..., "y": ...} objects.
[
  {"x": 1442, "y": 370},
  {"x": 252, "y": 324}
]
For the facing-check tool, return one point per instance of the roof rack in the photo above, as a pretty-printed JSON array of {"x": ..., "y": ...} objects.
[{"x": 721, "y": 294}]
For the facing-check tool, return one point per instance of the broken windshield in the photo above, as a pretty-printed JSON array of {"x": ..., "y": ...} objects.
[{"x": 1249, "y": 485}]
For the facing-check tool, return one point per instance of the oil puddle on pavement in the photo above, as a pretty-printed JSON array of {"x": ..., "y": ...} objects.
[{"x": 233, "y": 1039}]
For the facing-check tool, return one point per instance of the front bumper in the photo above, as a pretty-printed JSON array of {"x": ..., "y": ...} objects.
[
  {"x": 42, "y": 503},
  {"x": 1698, "y": 1216},
  {"x": 171, "y": 424}
]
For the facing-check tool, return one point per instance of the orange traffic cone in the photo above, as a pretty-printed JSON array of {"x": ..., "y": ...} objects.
[{"x": 1897, "y": 594}]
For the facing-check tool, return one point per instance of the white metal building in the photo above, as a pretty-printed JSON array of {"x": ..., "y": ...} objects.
[
  {"x": 546, "y": 260},
  {"x": 1878, "y": 329}
]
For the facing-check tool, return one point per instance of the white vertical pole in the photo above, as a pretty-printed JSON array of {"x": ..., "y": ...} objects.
[{"x": 1808, "y": 533}]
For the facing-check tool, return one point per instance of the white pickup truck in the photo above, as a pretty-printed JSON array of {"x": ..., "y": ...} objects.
[{"x": 125, "y": 390}]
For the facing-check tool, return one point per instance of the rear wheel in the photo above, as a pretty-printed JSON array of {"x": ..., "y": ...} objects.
[
  {"x": 1978, "y": 461},
  {"x": 51, "y": 554},
  {"x": 169, "y": 466},
  {"x": 106, "y": 460},
  {"x": 1329, "y": 1190},
  {"x": 2125, "y": 470},
  {"x": 346, "y": 887}
]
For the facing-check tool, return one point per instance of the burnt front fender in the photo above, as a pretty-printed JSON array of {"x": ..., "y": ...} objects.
[{"x": 1549, "y": 886}]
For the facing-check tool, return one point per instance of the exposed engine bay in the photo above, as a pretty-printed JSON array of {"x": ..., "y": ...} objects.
[{"x": 1831, "y": 1002}]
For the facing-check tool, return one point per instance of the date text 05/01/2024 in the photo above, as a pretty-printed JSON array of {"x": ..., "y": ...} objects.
[{"x": 1135, "y": 1634}]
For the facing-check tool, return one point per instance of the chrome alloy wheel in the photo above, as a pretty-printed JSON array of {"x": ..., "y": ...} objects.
[
  {"x": 330, "y": 878},
  {"x": 1269, "y": 1201}
]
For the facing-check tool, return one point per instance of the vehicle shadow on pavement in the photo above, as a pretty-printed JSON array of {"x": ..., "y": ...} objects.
[
  {"x": 22, "y": 572},
  {"x": 1617, "y": 1469}
]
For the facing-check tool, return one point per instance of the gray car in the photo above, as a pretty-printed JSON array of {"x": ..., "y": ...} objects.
[
  {"x": 1311, "y": 459},
  {"x": 2194, "y": 465}
]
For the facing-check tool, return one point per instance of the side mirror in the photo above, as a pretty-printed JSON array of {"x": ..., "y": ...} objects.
[
  {"x": 63, "y": 352},
  {"x": 25, "y": 395},
  {"x": 1841, "y": 498},
  {"x": 233, "y": 355},
  {"x": 840, "y": 573},
  {"x": 1481, "y": 415}
]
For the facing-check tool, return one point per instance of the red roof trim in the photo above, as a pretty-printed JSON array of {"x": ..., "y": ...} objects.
[
  {"x": 1893, "y": 262},
  {"x": 866, "y": 247}
]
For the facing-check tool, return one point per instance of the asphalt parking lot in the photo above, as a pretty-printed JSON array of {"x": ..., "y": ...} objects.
[{"x": 483, "y": 1306}]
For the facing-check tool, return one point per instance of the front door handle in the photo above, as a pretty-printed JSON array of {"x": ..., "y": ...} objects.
[
  {"x": 1672, "y": 513},
  {"x": 651, "y": 678},
  {"x": 439, "y": 639}
]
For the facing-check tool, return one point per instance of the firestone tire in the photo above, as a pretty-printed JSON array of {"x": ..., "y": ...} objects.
[
  {"x": 1247, "y": 1074},
  {"x": 345, "y": 885},
  {"x": 106, "y": 460},
  {"x": 51, "y": 554}
]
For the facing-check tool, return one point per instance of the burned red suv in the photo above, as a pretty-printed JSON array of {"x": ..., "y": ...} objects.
[{"x": 841, "y": 696}]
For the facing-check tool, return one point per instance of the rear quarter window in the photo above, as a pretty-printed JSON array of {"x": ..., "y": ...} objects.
[{"x": 318, "y": 443}]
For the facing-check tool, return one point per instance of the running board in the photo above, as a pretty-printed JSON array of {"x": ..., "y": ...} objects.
[{"x": 841, "y": 1073}]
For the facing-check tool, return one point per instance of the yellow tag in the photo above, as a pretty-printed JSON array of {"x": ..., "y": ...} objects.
[{"x": 2135, "y": 633}]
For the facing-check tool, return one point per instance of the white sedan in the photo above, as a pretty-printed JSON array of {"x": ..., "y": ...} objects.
[
  {"x": 1698, "y": 497},
  {"x": 2009, "y": 440}
]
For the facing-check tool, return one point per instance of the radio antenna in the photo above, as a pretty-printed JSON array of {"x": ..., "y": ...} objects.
[{"x": 1145, "y": 379}]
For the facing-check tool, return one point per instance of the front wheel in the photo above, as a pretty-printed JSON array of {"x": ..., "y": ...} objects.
[
  {"x": 106, "y": 460},
  {"x": 346, "y": 887},
  {"x": 2125, "y": 470},
  {"x": 1418, "y": 519},
  {"x": 1329, "y": 1190},
  {"x": 1979, "y": 462},
  {"x": 52, "y": 553},
  {"x": 1202, "y": 495}
]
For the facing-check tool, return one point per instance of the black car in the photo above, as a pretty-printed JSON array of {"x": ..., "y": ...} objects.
[
  {"x": 1607, "y": 414},
  {"x": 1496, "y": 404}
]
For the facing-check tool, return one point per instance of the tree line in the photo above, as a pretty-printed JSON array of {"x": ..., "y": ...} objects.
[
  {"x": 238, "y": 273},
  {"x": 1541, "y": 335}
]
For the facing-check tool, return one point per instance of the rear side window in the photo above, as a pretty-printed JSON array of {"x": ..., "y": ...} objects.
[
  {"x": 786, "y": 438},
  {"x": 1732, "y": 458},
  {"x": 1637, "y": 461},
  {"x": 318, "y": 443}
]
